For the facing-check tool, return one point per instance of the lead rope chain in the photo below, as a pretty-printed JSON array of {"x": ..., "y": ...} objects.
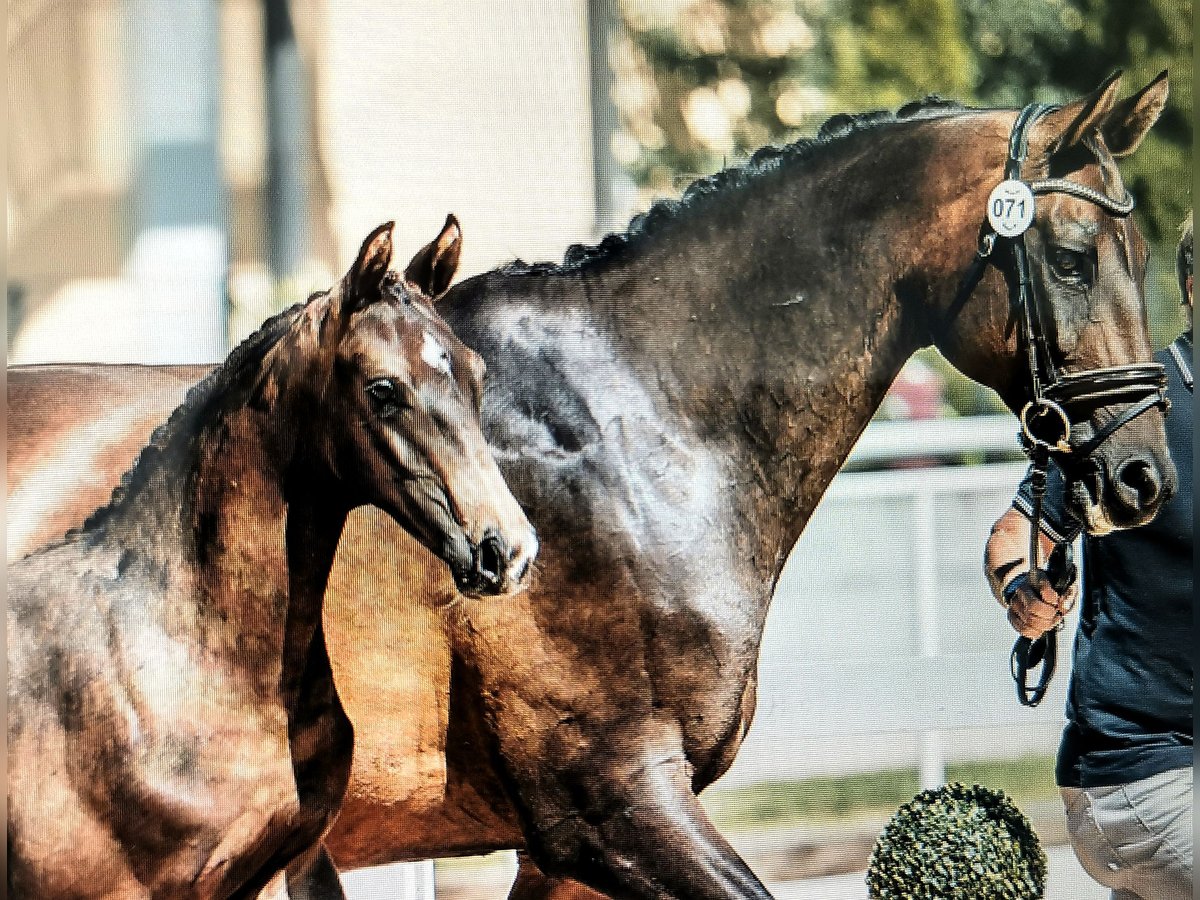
[{"x": 1026, "y": 653}]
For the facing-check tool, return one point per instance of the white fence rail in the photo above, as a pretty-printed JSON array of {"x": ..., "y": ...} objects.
[
  {"x": 889, "y": 442},
  {"x": 883, "y": 625},
  {"x": 398, "y": 881}
]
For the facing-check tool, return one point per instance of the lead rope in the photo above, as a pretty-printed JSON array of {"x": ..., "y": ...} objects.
[{"x": 1027, "y": 654}]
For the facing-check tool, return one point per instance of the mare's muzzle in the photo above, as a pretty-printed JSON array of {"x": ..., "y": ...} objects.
[{"x": 1133, "y": 484}]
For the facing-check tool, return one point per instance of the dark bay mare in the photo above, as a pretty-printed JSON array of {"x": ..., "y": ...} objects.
[
  {"x": 670, "y": 407},
  {"x": 173, "y": 727}
]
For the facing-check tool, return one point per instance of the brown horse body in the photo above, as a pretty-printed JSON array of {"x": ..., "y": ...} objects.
[
  {"x": 670, "y": 408},
  {"x": 173, "y": 726}
]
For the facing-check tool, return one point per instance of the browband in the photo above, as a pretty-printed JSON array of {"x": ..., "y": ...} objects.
[{"x": 1122, "y": 207}]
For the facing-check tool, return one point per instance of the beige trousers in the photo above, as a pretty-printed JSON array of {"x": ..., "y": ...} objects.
[{"x": 1136, "y": 838}]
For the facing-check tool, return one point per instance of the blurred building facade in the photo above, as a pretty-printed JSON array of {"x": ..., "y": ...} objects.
[{"x": 179, "y": 169}]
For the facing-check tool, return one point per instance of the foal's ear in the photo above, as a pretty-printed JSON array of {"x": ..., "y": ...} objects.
[
  {"x": 364, "y": 281},
  {"x": 1068, "y": 126},
  {"x": 1130, "y": 119},
  {"x": 433, "y": 268}
]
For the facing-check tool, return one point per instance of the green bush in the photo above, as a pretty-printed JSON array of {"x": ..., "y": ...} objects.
[{"x": 957, "y": 843}]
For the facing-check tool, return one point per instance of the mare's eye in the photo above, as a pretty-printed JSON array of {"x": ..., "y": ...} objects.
[{"x": 1071, "y": 265}]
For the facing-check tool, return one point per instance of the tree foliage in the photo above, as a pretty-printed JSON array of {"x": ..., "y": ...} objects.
[{"x": 705, "y": 82}]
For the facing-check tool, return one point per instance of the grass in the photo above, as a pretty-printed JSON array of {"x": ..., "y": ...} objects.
[
  {"x": 852, "y": 797},
  {"x": 838, "y": 800}
]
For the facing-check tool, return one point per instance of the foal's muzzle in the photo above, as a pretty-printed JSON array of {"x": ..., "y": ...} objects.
[{"x": 495, "y": 567}]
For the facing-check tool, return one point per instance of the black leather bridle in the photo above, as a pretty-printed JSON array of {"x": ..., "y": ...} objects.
[{"x": 1046, "y": 420}]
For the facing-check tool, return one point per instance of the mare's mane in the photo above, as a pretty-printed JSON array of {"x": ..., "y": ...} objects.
[{"x": 766, "y": 159}]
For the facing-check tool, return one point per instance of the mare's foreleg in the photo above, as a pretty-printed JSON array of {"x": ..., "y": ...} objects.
[
  {"x": 533, "y": 884},
  {"x": 633, "y": 829}
]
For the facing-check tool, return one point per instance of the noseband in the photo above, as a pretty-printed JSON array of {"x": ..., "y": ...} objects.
[{"x": 1046, "y": 420}]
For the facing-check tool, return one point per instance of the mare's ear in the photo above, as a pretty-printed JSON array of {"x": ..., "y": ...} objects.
[
  {"x": 1068, "y": 126},
  {"x": 433, "y": 267},
  {"x": 363, "y": 284},
  {"x": 1130, "y": 119}
]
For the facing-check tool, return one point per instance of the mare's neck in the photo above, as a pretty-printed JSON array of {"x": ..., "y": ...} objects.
[{"x": 774, "y": 317}]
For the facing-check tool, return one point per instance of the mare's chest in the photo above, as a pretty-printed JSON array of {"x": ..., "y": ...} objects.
[
  {"x": 626, "y": 493},
  {"x": 596, "y": 448}
]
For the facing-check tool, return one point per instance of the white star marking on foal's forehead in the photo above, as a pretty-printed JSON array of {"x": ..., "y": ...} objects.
[{"x": 434, "y": 354}]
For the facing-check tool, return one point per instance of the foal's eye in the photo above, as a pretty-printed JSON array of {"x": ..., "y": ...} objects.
[
  {"x": 384, "y": 393},
  {"x": 1070, "y": 265}
]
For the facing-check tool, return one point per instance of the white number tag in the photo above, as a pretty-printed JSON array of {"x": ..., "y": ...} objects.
[{"x": 1010, "y": 208}]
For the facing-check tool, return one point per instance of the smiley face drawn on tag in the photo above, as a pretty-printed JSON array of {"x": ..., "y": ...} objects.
[{"x": 1010, "y": 208}]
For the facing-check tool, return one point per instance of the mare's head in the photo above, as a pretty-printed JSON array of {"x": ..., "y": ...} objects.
[
  {"x": 402, "y": 411},
  {"x": 1087, "y": 264}
]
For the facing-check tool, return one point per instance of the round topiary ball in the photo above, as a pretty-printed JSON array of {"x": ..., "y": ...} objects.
[{"x": 957, "y": 843}]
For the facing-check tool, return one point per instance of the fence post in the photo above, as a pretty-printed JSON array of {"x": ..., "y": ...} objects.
[
  {"x": 179, "y": 255},
  {"x": 932, "y": 757},
  {"x": 418, "y": 881}
]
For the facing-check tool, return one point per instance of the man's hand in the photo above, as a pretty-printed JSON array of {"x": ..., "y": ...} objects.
[{"x": 1034, "y": 607}]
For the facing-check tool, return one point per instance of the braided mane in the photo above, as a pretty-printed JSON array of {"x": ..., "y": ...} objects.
[{"x": 766, "y": 159}]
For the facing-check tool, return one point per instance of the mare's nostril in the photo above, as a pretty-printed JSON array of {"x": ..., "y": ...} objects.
[{"x": 1138, "y": 483}]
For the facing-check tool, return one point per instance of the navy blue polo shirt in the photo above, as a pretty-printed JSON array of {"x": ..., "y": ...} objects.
[{"x": 1129, "y": 704}]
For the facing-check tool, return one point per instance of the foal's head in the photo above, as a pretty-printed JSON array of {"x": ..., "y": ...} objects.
[
  {"x": 1087, "y": 267},
  {"x": 402, "y": 410}
]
